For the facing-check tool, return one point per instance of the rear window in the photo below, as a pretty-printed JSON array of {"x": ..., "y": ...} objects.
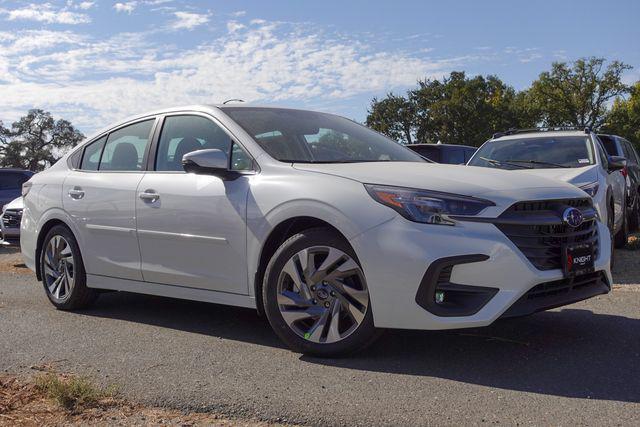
[
  {"x": 13, "y": 180},
  {"x": 430, "y": 152}
]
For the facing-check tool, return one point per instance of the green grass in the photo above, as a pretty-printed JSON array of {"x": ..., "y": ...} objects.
[{"x": 72, "y": 393}]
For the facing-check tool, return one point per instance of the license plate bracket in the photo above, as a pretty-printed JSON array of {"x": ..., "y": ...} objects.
[{"x": 578, "y": 259}]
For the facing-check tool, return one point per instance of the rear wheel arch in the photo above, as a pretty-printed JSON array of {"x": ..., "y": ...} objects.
[{"x": 280, "y": 233}]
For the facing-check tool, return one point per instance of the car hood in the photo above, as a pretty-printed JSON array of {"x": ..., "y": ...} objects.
[
  {"x": 463, "y": 180},
  {"x": 15, "y": 204},
  {"x": 575, "y": 176}
]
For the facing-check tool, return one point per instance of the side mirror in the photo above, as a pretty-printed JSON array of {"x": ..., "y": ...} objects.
[
  {"x": 208, "y": 162},
  {"x": 617, "y": 163}
]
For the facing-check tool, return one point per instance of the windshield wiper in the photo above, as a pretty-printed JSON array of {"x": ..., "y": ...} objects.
[
  {"x": 538, "y": 162},
  {"x": 503, "y": 162}
]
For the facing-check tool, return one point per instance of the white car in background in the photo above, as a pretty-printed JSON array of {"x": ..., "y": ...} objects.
[
  {"x": 573, "y": 156},
  {"x": 330, "y": 229},
  {"x": 10, "y": 222}
]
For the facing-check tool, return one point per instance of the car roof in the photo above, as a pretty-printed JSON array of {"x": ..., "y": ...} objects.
[
  {"x": 440, "y": 145},
  {"x": 14, "y": 170},
  {"x": 545, "y": 134}
]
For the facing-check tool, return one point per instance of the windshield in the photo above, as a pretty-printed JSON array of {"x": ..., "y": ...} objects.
[
  {"x": 541, "y": 153},
  {"x": 310, "y": 137}
]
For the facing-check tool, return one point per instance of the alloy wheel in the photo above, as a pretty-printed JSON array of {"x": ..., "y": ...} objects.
[
  {"x": 58, "y": 268},
  {"x": 322, "y": 294}
]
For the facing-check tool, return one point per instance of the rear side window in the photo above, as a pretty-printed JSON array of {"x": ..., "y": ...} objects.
[
  {"x": 125, "y": 148},
  {"x": 91, "y": 157},
  {"x": 632, "y": 151},
  {"x": 184, "y": 134},
  {"x": 13, "y": 180}
]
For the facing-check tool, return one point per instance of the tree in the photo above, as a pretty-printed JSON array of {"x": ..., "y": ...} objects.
[
  {"x": 393, "y": 116},
  {"x": 462, "y": 110},
  {"x": 456, "y": 110},
  {"x": 577, "y": 94},
  {"x": 36, "y": 141},
  {"x": 624, "y": 118}
]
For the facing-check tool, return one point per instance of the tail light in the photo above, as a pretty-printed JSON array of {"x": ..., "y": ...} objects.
[{"x": 624, "y": 171}]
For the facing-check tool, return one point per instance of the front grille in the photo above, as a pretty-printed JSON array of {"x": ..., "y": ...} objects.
[
  {"x": 563, "y": 286},
  {"x": 12, "y": 218},
  {"x": 558, "y": 293},
  {"x": 537, "y": 229}
]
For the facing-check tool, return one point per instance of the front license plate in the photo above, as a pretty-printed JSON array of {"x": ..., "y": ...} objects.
[{"x": 578, "y": 259}]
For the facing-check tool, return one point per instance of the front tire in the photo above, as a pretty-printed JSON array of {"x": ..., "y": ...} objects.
[
  {"x": 62, "y": 271},
  {"x": 316, "y": 297}
]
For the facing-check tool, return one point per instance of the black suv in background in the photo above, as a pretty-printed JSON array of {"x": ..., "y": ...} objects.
[
  {"x": 11, "y": 181},
  {"x": 444, "y": 153},
  {"x": 618, "y": 146}
]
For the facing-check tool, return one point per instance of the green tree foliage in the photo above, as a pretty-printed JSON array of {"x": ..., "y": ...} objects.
[
  {"x": 394, "y": 116},
  {"x": 36, "y": 141},
  {"x": 454, "y": 110},
  {"x": 577, "y": 94},
  {"x": 624, "y": 118}
]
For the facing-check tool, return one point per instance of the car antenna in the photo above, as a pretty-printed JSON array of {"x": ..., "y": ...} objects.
[{"x": 233, "y": 100}]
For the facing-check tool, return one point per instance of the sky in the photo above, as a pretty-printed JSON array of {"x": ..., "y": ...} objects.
[{"x": 96, "y": 62}]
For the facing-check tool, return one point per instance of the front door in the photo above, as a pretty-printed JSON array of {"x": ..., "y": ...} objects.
[{"x": 191, "y": 228}]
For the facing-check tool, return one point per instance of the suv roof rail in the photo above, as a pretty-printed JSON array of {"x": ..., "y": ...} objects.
[{"x": 514, "y": 131}]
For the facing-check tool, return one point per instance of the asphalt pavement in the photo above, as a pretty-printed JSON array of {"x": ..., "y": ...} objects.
[{"x": 575, "y": 365}]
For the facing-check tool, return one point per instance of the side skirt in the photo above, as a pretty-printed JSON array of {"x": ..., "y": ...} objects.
[{"x": 171, "y": 291}]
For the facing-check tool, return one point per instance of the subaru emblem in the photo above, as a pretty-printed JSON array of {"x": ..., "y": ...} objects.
[{"x": 572, "y": 217}]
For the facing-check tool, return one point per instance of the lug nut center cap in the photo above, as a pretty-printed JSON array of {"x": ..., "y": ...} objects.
[{"x": 322, "y": 294}]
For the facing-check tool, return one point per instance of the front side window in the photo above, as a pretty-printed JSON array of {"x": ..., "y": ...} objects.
[
  {"x": 125, "y": 147},
  {"x": 184, "y": 134},
  {"x": 541, "y": 152},
  {"x": 310, "y": 137},
  {"x": 91, "y": 156}
]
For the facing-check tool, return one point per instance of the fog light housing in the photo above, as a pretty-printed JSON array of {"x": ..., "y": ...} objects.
[{"x": 439, "y": 297}]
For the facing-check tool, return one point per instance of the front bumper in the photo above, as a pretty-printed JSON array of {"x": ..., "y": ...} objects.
[
  {"x": 396, "y": 255},
  {"x": 9, "y": 234}
]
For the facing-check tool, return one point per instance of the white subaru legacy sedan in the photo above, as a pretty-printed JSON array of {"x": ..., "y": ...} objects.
[{"x": 328, "y": 228}]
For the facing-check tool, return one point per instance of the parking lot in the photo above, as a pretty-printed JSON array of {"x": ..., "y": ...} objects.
[{"x": 574, "y": 365}]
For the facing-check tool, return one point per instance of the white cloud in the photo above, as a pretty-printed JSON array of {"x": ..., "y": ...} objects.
[
  {"x": 239, "y": 13},
  {"x": 85, "y": 5},
  {"x": 93, "y": 82},
  {"x": 233, "y": 26},
  {"x": 189, "y": 20},
  {"x": 46, "y": 13},
  {"x": 126, "y": 7}
]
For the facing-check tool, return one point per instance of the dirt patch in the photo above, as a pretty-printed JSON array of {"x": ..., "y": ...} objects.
[
  {"x": 36, "y": 401},
  {"x": 11, "y": 261}
]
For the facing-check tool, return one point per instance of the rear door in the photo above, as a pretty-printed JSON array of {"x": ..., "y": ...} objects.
[
  {"x": 191, "y": 228},
  {"x": 100, "y": 196}
]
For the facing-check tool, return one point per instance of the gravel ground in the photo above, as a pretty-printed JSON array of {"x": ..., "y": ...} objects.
[{"x": 576, "y": 365}]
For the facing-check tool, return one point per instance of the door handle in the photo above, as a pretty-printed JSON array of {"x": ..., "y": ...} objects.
[
  {"x": 76, "y": 193},
  {"x": 150, "y": 196}
]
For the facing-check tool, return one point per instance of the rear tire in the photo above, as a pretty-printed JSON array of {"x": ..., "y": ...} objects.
[
  {"x": 315, "y": 295},
  {"x": 62, "y": 271},
  {"x": 610, "y": 226}
]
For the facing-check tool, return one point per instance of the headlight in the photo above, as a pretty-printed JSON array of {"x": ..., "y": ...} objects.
[
  {"x": 429, "y": 207},
  {"x": 591, "y": 189}
]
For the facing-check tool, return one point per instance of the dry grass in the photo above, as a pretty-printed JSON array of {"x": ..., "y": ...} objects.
[
  {"x": 11, "y": 261},
  {"x": 55, "y": 399},
  {"x": 72, "y": 393},
  {"x": 633, "y": 244}
]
